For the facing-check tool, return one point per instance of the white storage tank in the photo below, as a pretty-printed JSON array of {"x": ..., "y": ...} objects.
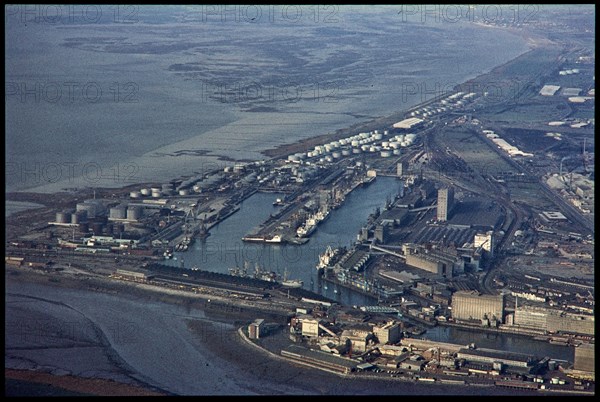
[
  {"x": 336, "y": 155},
  {"x": 184, "y": 191},
  {"x": 356, "y": 150},
  {"x": 62, "y": 217},
  {"x": 76, "y": 218},
  {"x": 377, "y": 136},
  {"x": 156, "y": 194},
  {"x": 385, "y": 144},
  {"x": 386, "y": 154},
  {"x": 345, "y": 152},
  {"x": 118, "y": 212},
  {"x": 396, "y": 152},
  {"x": 329, "y": 159},
  {"x": 134, "y": 213},
  {"x": 145, "y": 191}
]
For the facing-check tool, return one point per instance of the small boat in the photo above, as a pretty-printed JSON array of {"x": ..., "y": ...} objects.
[{"x": 291, "y": 283}]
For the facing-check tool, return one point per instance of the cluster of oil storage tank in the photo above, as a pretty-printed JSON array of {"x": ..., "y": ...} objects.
[
  {"x": 356, "y": 144},
  {"x": 569, "y": 72},
  {"x": 93, "y": 208},
  {"x": 124, "y": 212},
  {"x": 70, "y": 217},
  {"x": 118, "y": 212},
  {"x": 450, "y": 102},
  {"x": 154, "y": 192}
]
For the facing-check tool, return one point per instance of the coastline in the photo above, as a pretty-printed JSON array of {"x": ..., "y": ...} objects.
[
  {"x": 184, "y": 150},
  {"x": 532, "y": 40},
  {"x": 279, "y": 151},
  {"x": 219, "y": 334},
  {"x": 38, "y": 194}
]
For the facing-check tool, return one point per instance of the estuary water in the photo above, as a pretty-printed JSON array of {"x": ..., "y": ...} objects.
[{"x": 106, "y": 96}]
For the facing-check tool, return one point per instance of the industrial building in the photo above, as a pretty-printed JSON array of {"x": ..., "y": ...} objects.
[
  {"x": 387, "y": 333},
  {"x": 360, "y": 336},
  {"x": 425, "y": 344},
  {"x": 445, "y": 202},
  {"x": 256, "y": 328},
  {"x": 435, "y": 261},
  {"x": 549, "y": 90},
  {"x": 552, "y": 216},
  {"x": 553, "y": 320},
  {"x": 380, "y": 233},
  {"x": 585, "y": 358},
  {"x": 133, "y": 274},
  {"x": 408, "y": 124},
  {"x": 485, "y": 241},
  {"x": 471, "y": 305},
  {"x": 319, "y": 359},
  {"x": 355, "y": 260},
  {"x": 514, "y": 360},
  {"x": 310, "y": 328}
]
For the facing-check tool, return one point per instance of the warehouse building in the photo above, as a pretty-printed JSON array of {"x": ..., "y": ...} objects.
[
  {"x": 360, "y": 336},
  {"x": 471, "y": 305},
  {"x": 549, "y": 90},
  {"x": 435, "y": 261},
  {"x": 490, "y": 356},
  {"x": 387, "y": 333},
  {"x": 318, "y": 359},
  {"x": 553, "y": 320},
  {"x": 408, "y": 124}
]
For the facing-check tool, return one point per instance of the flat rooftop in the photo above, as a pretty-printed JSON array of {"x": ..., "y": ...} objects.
[
  {"x": 549, "y": 90},
  {"x": 497, "y": 354},
  {"x": 445, "y": 235}
]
